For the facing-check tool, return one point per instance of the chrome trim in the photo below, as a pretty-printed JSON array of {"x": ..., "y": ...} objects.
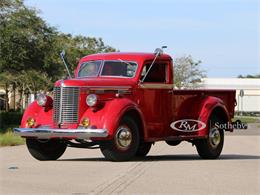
[
  {"x": 60, "y": 106},
  {"x": 56, "y": 104},
  {"x": 156, "y": 56},
  {"x": 66, "y": 105},
  {"x": 155, "y": 86},
  {"x": 118, "y": 60},
  {"x": 123, "y": 137},
  {"x": 106, "y": 88},
  {"x": 214, "y": 137},
  {"x": 122, "y": 77},
  {"x": 62, "y": 54},
  {"x": 124, "y": 92},
  {"x": 45, "y": 133},
  {"x": 102, "y": 66},
  {"x": 99, "y": 87}
]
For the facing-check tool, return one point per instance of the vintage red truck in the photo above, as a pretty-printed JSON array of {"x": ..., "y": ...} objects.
[{"x": 123, "y": 103}]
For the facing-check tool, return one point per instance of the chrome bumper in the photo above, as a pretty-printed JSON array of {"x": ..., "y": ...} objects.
[{"x": 44, "y": 133}]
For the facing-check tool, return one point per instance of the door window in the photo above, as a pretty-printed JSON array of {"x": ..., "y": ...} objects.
[{"x": 157, "y": 73}]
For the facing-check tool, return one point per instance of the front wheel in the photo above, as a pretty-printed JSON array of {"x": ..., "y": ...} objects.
[
  {"x": 143, "y": 149},
  {"x": 125, "y": 143},
  {"x": 46, "y": 149},
  {"x": 211, "y": 147}
]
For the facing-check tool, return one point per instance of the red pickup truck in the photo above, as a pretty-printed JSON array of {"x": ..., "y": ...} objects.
[{"x": 123, "y": 103}]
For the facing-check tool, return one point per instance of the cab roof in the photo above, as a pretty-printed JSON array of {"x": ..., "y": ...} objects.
[{"x": 129, "y": 56}]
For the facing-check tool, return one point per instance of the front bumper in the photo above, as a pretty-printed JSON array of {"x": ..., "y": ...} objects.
[{"x": 44, "y": 133}]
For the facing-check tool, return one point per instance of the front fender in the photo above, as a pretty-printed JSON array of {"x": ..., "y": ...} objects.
[
  {"x": 38, "y": 113},
  {"x": 110, "y": 115}
]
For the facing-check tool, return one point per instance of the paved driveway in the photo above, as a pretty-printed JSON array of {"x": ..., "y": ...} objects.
[{"x": 166, "y": 170}]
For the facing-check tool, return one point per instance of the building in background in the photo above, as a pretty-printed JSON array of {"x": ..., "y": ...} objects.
[
  {"x": 247, "y": 91},
  {"x": 16, "y": 101},
  {"x": 2, "y": 99}
]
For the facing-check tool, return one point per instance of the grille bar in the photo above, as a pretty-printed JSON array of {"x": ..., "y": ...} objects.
[{"x": 66, "y": 105}]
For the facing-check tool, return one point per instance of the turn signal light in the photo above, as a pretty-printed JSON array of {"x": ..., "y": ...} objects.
[
  {"x": 85, "y": 122},
  {"x": 30, "y": 122}
]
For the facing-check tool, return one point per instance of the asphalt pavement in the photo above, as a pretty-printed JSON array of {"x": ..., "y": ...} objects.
[{"x": 166, "y": 170}]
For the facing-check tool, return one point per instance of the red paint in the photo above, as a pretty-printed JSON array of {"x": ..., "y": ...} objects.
[{"x": 157, "y": 107}]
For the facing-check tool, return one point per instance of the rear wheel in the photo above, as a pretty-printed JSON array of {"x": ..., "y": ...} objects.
[
  {"x": 46, "y": 149},
  {"x": 211, "y": 147},
  {"x": 125, "y": 143}
]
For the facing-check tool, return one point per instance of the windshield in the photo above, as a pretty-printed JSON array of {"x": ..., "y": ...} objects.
[
  {"x": 110, "y": 68},
  {"x": 119, "y": 68},
  {"x": 90, "y": 69}
]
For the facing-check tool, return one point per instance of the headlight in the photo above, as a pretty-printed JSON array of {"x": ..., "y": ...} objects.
[
  {"x": 91, "y": 100},
  {"x": 41, "y": 99}
]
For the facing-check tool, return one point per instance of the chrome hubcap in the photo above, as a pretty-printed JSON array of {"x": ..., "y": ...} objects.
[
  {"x": 123, "y": 137},
  {"x": 214, "y": 137}
]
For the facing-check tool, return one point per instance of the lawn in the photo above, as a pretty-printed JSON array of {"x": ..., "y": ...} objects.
[
  {"x": 247, "y": 119},
  {"x": 9, "y": 139}
]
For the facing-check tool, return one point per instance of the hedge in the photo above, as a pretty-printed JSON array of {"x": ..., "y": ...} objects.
[
  {"x": 254, "y": 114},
  {"x": 8, "y": 119}
]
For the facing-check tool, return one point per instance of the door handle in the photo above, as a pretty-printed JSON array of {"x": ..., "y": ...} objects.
[{"x": 170, "y": 91}]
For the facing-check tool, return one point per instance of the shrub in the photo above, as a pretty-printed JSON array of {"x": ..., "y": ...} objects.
[{"x": 9, "y": 119}]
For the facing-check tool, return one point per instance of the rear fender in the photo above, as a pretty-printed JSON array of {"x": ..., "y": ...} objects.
[
  {"x": 201, "y": 108},
  {"x": 212, "y": 105},
  {"x": 110, "y": 115}
]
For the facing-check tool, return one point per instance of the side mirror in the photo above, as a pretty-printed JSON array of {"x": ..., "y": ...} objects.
[
  {"x": 159, "y": 51},
  {"x": 62, "y": 54}
]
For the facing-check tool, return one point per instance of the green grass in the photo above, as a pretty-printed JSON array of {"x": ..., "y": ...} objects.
[
  {"x": 247, "y": 119},
  {"x": 9, "y": 139}
]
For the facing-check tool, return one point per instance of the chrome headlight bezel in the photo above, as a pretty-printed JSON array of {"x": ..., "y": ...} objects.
[
  {"x": 91, "y": 100},
  {"x": 41, "y": 99}
]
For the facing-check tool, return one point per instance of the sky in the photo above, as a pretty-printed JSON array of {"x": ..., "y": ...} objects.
[{"x": 223, "y": 34}]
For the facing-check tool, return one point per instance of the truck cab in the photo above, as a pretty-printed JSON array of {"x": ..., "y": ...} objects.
[{"x": 123, "y": 103}]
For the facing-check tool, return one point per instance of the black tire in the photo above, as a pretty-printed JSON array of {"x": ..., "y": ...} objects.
[
  {"x": 205, "y": 147},
  {"x": 113, "y": 151},
  {"x": 46, "y": 149},
  {"x": 143, "y": 149}
]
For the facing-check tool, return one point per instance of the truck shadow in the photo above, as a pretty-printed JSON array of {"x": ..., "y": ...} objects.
[{"x": 178, "y": 157}]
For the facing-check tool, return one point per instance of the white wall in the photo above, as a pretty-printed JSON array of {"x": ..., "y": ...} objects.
[{"x": 250, "y": 102}]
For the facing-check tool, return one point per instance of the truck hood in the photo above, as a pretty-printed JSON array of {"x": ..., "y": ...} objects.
[{"x": 96, "y": 82}]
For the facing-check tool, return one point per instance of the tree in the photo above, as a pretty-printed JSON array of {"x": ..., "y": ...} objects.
[
  {"x": 6, "y": 80},
  {"x": 187, "y": 72},
  {"x": 30, "y": 48},
  {"x": 79, "y": 46},
  {"x": 26, "y": 40},
  {"x": 28, "y": 43},
  {"x": 8, "y": 6}
]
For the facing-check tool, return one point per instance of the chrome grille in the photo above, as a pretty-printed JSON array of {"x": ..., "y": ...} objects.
[{"x": 65, "y": 105}]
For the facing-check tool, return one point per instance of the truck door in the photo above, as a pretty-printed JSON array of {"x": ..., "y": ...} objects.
[{"x": 156, "y": 97}]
